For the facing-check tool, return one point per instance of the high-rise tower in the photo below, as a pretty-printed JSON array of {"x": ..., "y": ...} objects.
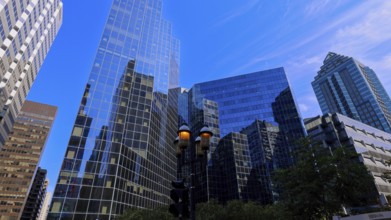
[
  {"x": 258, "y": 107},
  {"x": 344, "y": 85},
  {"x": 120, "y": 152},
  {"x": 20, "y": 156},
  {"x": 27, "y": 30}
]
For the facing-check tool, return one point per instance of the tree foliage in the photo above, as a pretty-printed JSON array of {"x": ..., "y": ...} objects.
[
  {"x": 147, "y": 214},
  {"x": 323, "y": 181},
  {"x": 233, "y": 210},
  {"x": 317, "y": 187},
  {"x": 237, "y": 210}
]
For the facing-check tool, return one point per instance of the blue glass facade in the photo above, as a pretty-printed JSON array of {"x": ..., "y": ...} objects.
[
  {"x": 346, "y": 86},
  {"x": 259, "y": 109},
  {"x": 263, "y": 95},
  {"x": 120, "y": 152}
]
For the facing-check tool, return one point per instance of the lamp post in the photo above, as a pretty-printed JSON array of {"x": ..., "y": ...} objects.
[{"x": 202, "y": 144}]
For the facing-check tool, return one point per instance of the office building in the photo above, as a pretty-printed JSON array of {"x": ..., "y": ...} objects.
[
  {"x": 120, "y": 154},
  {"x": 27, "y": 31},
  {"x": 181, "y": 96},
  {"x": 204, "y": 112},
  {"x": 263, "y": 95},
  {"x": 233, "y": 161},
  {"x": 260, "y": 106},
  {"x": 36, "y": 196},
  {"x": 45, "y": 206},
  {"x": 346, "y": 86},
  {"x": 372, "y": 145},
  {"x": 267, "y": 150},
  {"x": 20, "y": 156}
]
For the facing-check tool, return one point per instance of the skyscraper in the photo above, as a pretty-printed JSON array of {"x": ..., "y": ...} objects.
[
  {"x": 19, "y": 158},
  {"x": 244, "y": 98},
  {"x": 36, "y": 196},
  {"x": 346, "y": 86},
  {"x": 263, "y": 95},
  {"x": 45, "y": 206},
  {"x": 372, "y": 145},
  {"x": 27, "y": 30},
  {"x": 120, "y": 153},
  {"x": 234, "y": 157},
  {"x": 262, "y": 108}
]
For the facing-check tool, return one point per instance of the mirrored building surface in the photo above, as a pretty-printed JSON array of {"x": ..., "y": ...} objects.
[
  {"x": 258, "y": 107},
  {"x": 346, "y": 86},
  {"x": 120, "y": 152}
]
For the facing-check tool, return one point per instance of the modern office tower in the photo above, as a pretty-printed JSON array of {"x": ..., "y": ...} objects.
[
  {"x": 27, "y": 30},
  {"x": 20, "y": 156},
  {"x": 237, "y": 103},
  {"x": 204, "y": 112},
  {"x": 373, "y": 145},
  {"x": 263, "y": 95},
  {"x": 182, "y": 98},
  {"x": 235, "y": 166},
  {"x": 120, "y": 154},
  {"x": 45, "y": 206},
  {"x": 266, "y": 145},
  {"x": 36, "y": 196},
  {"x": 346, "y": 86}
]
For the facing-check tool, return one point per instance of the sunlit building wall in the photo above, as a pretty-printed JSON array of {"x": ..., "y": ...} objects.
[
  {"x": 27, "y": 31},
  {"x": 20, "y": 156}
]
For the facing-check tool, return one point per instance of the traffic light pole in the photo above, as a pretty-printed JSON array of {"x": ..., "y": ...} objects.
[{"x": 192, "y": 183}]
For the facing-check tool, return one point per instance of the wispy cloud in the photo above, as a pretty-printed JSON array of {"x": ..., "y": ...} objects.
[
  {"x": 366, "y": 33},
  {"x": 252, "y": 4},
  {"x": 315, "y": 6}
]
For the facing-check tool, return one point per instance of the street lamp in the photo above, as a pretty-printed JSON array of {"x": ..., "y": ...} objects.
[{"x": 202, "y": 144}]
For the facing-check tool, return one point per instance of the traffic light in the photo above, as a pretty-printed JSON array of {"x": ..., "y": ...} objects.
[{"x": 180, "y": 196}]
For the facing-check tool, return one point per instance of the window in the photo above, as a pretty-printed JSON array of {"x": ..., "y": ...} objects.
[{"x": 77, "y": 131}]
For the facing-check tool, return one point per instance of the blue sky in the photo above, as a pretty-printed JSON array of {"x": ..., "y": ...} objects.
[{"x": 220, "y": 38}]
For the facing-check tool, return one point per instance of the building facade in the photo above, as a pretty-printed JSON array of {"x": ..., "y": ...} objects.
[
  {"x": 346, "y": 86},
  {"x": 260, "y": 107},
  {"x": 263, "y": 95},
  {"x": 36, "y": 196},
  {"x": 266, "y": 148},
  {"x": 120, "y": 153},
  {"x": 20, "y": 156},
  {"x": 232, "y": 160},
  {"x": 27, "y": 31},
  {"x": 372, "y": 144},
  {"x": 45, "y": 206}
]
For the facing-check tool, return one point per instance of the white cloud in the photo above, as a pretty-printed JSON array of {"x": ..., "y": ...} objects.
[
  {"x": 369, "y": 31},
  {"x": 239, "y": 12},
  {"x": 308, "y": 105},
  {"x": 316, "y": 6},
  {"x": 303, "y": 107}
]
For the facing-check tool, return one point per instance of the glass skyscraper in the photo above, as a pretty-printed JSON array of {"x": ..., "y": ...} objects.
[
  {"x": 27, "y": 31},
  {"x": 120, "y": 153},
  {"x": 259, "y": 112},
  {"x": 263, "y": 95},
  {"x": 344, "y": 85}
]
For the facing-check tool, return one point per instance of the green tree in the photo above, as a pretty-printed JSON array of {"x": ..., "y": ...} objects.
[
  {"x": 239, "y": 210},
  {"x": 322, "y": 181},
  {"x": 210, "y": 211},
  {"x": 147, "y": 214}
]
